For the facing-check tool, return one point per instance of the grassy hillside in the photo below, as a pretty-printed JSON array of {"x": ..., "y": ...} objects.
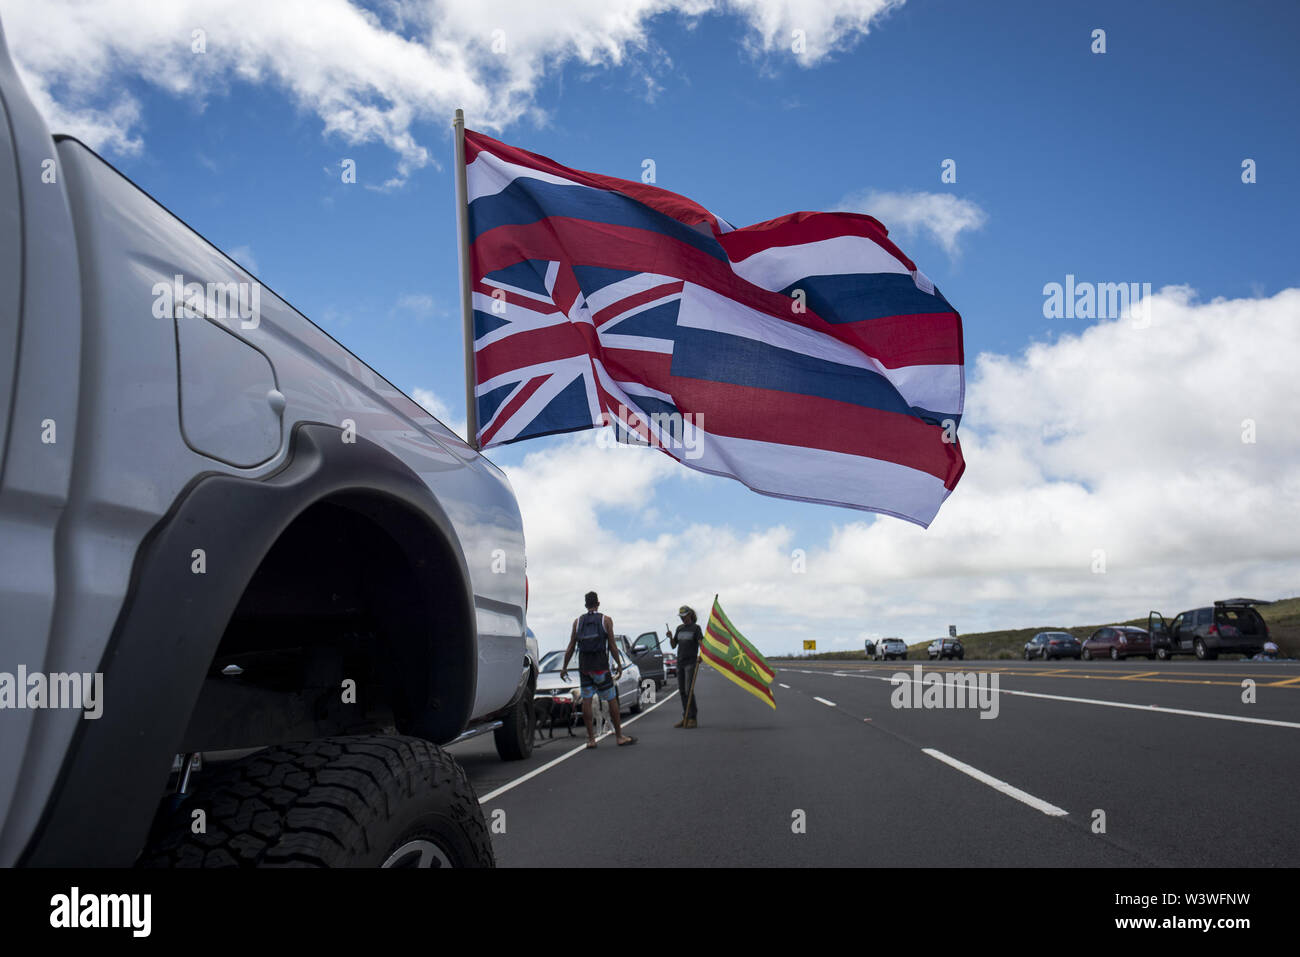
[{"x": 1283, "y": 619}]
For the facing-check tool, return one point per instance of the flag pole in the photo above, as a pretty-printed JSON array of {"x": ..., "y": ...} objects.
[
  {"x": 466, "y": 289},
  {"x": 698, "y": 655}
]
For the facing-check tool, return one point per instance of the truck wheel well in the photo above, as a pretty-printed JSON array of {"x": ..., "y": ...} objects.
[{"x": 358, "y": 618}]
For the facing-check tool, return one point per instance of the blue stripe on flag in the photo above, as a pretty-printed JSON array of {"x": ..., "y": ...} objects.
[
  {"x": 591, "y": 278},
  {"x": 853, "y": 298},
  {"x": 567, "y": 411},
  {"x": 489, "y": 402},
  {"x": 529, "y": 200},
  {"x": 528, "y": 275},
  {"x": 657, "y": 323},
  {"x": 485, "y": 322},
  {"x": 718, "y": 357}
]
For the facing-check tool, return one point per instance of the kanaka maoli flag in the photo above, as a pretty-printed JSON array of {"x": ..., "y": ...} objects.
[{"x": 806, "y": 356}]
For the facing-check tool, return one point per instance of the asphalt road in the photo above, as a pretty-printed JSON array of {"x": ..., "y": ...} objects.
[{"x": 1185, "y": 772}]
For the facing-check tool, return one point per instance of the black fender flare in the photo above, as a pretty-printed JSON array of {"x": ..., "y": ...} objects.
[{"x": 172, "y": 621}]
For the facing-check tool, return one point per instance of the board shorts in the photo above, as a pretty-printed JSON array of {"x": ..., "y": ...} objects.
[{"x": 597, "y": 683}]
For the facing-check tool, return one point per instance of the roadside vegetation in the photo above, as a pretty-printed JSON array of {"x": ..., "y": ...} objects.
[{"x": 1283, "y": 619}]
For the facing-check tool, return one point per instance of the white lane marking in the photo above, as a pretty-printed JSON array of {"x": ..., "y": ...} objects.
[
  {"x": 1118, "y": 704},
  {"x": 1038, "y": 804},
  {"x": 568, "y": 754},
  {"x": 824, "y": 701},
  {"x": 784, "y": 685}
]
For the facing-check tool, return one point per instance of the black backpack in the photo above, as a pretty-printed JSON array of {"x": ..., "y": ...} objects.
[{"x": 593, "y": 643}]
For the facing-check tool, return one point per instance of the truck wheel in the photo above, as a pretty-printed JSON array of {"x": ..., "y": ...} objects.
[
  {"x": 514, "y": 738},
  {"x": 1163, "y": 654},
  {"x": 1204, "y": 653},
  {"x": 354, "y": 801}
]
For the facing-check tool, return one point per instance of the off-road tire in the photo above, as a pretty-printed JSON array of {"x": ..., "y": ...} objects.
[
  {"x": 336, "y": 802},
  {"x": 514, "y": 739}
]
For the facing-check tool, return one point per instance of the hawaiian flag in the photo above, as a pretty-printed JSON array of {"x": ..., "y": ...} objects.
[{"x": 806, "y": 356}]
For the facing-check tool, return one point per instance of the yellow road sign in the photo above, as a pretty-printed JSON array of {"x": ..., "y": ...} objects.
[{"x": 810, "y": 646}]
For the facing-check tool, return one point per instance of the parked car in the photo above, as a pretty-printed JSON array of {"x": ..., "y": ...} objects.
[
  {"x": 1118, "y": 642},
  {"x": 888, "y": 648},
  {"x": 946, "y": 648},
  {"x": 1231, "y": 625},
  {"x": 551, "y": 684},
  {"x": 670, "y": 664},
  {"x": 649, "y": 657},
  {"x": 276, "y": 559},
  {"x": 1053, "y": 644}
]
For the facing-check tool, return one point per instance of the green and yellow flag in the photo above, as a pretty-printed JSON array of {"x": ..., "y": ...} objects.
[{"x": 727, "y": 650}]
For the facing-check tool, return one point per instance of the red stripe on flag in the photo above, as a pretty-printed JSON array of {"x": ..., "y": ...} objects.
[
  {"x": 796, "y": 229},
  {"x": 523, "y": 349}
]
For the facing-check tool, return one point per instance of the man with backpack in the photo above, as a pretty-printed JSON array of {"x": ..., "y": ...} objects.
[{"x": 593, "y": 634}]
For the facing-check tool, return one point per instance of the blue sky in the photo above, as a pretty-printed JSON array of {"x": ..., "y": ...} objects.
[{"x": 1122, "y": 166}]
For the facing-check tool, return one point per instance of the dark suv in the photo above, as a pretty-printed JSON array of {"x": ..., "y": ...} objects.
[
  {"x": 946, "y": 648},
  {"x": 1232, "y": 625}
]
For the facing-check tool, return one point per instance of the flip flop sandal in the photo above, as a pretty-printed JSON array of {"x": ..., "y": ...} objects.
[
  {"x": 630, "y": 740},
  {"x": 591, "y": 745}
]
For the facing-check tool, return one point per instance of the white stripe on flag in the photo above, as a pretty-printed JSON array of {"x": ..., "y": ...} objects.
[
  {"x": 823, "y": 476},
  {"x": 489, "y": 174},
  {"x": 776, "y": 267},
  {"x": 640, "y": 282}
]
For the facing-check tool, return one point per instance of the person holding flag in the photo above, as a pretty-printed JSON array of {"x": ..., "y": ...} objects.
[{"x": 686, "y": 639}]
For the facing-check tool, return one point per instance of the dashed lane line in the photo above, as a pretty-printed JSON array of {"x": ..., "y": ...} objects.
[
  {"x": 1243, "y": 719},
  {"x": 1024, "y": 797}
]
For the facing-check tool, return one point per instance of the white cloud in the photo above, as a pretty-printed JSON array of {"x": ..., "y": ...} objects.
[
  {"x": 418, "y": 304},
  {"x": 941, "y": 216},
  {"x": 368, "y": 76},
  {"x": 1116, "y": 437}
]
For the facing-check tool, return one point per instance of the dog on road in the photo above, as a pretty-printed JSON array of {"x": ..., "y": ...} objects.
[{"x": 547, "y": 712}]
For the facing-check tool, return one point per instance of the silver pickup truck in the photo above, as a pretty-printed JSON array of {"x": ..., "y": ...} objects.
[{"x": 247, "y": 587}]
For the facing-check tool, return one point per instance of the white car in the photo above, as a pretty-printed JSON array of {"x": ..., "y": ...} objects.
[
  {"x": 891, "y": 648},
  {"x": 551, "y": 685}
]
